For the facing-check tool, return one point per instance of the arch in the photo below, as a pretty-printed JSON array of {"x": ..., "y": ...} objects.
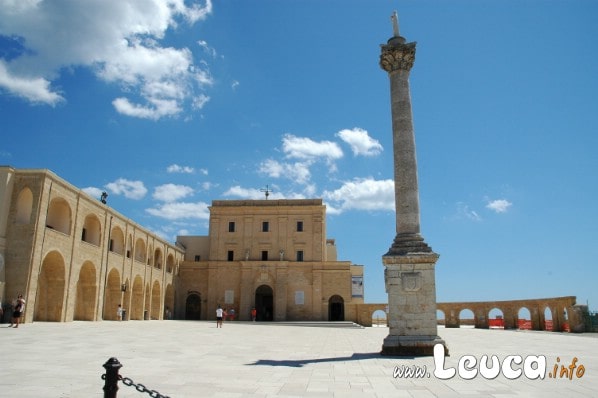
[
  {"x": 547, "y": 318},
  {"x": 92, "y": 230},
  {"x": 193, "y": 307},
  {"x": 379, "y": 318},
  {"x": 148, "y": 301},
  {"x": 87, "y": 287},
  {"x": 129, "y": 246},
  {"x": 117, "y": 241},
  {"x": 24, "y": 206},
  {"x": 466, "y": 318},
  {"x": 524, "y": 319},
  {"x": 496, "y": 318},
  {"x": 59, "y": 216},
  {"x": 136, "y": 311},
  {"x": 336, "y": 308},
  {"x": 140, "y": 254},
  {"x": 565, "y": 325},
  {"x": 158, "y": 258},
  {"x": 155, "y": 312},
  {"x": 112, "y": 295},
  {"x": 440, "y": 317},
  {"x": 168, "y": 301},
  {"x": 50, "y": 289},
  {"x": 170, "y": 263},
  {"x": 264, "y": 303},
  {"x": 150, "y": 258}
]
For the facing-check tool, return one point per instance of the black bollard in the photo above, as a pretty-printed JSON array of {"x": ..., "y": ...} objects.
[{"x": 111, "y": 385}]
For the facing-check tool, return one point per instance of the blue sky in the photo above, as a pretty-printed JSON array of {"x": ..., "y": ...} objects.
[{"x": 174, "y": 104}]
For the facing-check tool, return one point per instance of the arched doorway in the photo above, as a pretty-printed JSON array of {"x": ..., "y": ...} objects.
[
  {"x": 50, "y": 289},
  {"x": 193, "y": 307},
  {"x": 86, "y": 293},
  {"x": 336, "y": 308},
  {"x": 264, "y": 303}
]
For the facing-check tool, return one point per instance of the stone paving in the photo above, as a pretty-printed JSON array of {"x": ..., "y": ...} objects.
[{"x": 196, "y": 359}]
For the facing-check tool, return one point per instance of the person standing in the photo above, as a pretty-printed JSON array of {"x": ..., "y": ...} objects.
[
  {"x": 219, "y": 315},
  {"x": 119, "y": 313},
  {"x": 18, "y": 311},
  {"x": 253, "y": 314}
]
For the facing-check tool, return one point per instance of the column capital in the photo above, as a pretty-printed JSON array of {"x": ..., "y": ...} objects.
[{"x": 397, "y": 55}]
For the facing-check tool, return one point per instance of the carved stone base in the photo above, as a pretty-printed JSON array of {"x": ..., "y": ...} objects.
[
  {"x": 412, "y": 346},
  {"x": 408, "y": 243}
]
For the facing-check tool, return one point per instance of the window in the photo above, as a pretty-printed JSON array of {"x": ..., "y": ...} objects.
[
  {"x": 265, "y": 226},
  {"x": 264, "y": 255},
  {"x": 83, "y": 234},
  {"x": 299, "y": 255},
  {"x": 231, "y": 226},
  {"x": 197, "y": 257},
  {"x": 299, "y": 226},
  {"x": 111, "y": 244},
  {"x": 231, "y": 255}
]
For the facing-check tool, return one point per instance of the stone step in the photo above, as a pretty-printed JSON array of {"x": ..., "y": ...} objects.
[{"x": 326, "y": 324}]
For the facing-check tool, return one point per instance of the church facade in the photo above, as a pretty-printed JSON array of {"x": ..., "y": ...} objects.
[
  {"x": 271, "y": 255},
  {"x": 75, "y": 258}
]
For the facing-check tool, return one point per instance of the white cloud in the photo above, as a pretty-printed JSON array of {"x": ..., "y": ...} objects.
[
  {"x": 360, "y": 142},
  {"x": 298, "y": 172},
  {"x": 181, "y": 210},
  {"x": 207, "y": 48},
  {"x": 499, "y": 205},
  {"x": 119, "y": 40},
  {"x": 307, "y": 149},
  {"x": 130, "y": 189},
  {"x": 464, "y": 211},
  {"x": 175, "y": 168},
  {"x": 93, "y": 192},
  {"x": 34, "y": 89},
  {"x": 204, "y": 171},
  {"x": 362, "y": 194},
  {"x": 235, "y": 84},
  {"x": 171, "y": 192},
  {"x": 251, "y": 193}
]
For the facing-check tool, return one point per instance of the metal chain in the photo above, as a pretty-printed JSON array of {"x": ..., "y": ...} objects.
[{"x": 139, "y": 387}]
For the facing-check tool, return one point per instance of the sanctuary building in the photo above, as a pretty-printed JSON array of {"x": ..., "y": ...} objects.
[{"x": 72, "y": 257}]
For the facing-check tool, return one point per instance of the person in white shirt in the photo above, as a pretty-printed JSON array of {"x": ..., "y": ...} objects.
[{"x": 219, "y": 315}]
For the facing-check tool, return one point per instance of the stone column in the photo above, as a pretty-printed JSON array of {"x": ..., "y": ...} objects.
[{"x": 409, "y": 264}]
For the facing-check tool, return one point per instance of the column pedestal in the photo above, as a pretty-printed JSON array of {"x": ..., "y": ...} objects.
[{"x": 410, "y": 284}]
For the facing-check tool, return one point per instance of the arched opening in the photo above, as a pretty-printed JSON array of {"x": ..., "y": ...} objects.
[
  {"x": 168, "y": 302},
  {"x": 91, "y": 232},
  {"x": 148, "y": 300},
  {"x": 496, "y": 319},
  {"x": 193, "y": 307},
  {"x": 336, "y": 308},
  {"x": 156, "y": 301},
  {"x": 87, "y": 288},
  {"x": 136, "y": 310},
  {"x": 117, "y": 241},
  {"x": 158, "y": 259},
  {"x": 264, "y": 303},
  {"x": 565, "y": 327},
  {"x": 59, "y": 216},
  {"x": 112, "y": 296},
  {"x": 50, "y": 289},
  {"x": 466, "y": 318},
  {"x": 170, "y": 263},
  {"x": 524, "y": 319},
  {"x": 24, "y": 206},
  {"x": 129, "y": 246},
  {"x": 140, "y": 250},
  {"x": 379, "y": 319},
  {"x": 547, "y": 319},
  {"x": 440, "y": 318}
]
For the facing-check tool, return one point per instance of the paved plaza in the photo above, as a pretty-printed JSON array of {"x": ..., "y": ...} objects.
[{"x": 196, "y": 359}]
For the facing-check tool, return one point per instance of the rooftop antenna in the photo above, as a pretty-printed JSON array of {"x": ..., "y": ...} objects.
[{"x": 266, "y": 191}]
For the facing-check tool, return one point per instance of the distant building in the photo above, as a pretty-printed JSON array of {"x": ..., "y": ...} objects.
[
  {"x": 272, "y": 255},
  {"x": 75, "y": 258}
]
